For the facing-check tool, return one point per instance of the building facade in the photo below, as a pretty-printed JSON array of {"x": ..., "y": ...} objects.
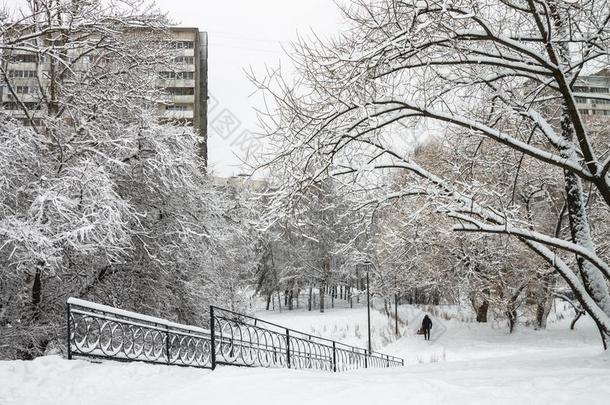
[
  {"x": 242, "y": 182},
  {"x": 186, "y": 84},
  {"x": 587, "y": 88}
]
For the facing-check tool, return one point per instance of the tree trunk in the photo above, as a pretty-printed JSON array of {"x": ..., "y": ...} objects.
[
  {"x": 350, "y": 297},
  {"x": 324, "y": 281},
  {"x": 481, "y": 311},
  {"x": 37, "y": 292},
  {"x": 579, "y": 313},
  {"x": 511, "y": 314},
  {"x": 310, "y": 303},
  {"x": 593, "y": 280},
  {"x": 542, "y": 312},
  {"x": 322, "y": 287}
]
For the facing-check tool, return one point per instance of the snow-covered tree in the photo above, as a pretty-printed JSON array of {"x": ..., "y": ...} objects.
[
  {"x": 97, "y": 198},
  {"x": 502, "y": 72}
]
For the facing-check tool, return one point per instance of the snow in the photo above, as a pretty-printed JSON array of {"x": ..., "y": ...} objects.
[
  {"x": 468, "y": 364},
  {"x": 343, "y": 325}
]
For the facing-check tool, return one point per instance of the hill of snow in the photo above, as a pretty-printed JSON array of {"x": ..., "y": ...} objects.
[{"x": 467, "y": 364}]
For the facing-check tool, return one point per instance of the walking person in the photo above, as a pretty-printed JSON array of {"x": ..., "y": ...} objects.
[{"x": 426, "y": 325}]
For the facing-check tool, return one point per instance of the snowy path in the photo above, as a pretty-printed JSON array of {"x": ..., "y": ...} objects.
[
  {"x": 469, "y": 364},
  {"x": 542, "y": 379}
]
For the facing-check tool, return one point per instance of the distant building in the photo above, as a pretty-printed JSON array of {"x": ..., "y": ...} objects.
[
  {"x": 587, "y": 87},
  {"x": 242, "y": 182},
  {"x": 186, "y": 84}
]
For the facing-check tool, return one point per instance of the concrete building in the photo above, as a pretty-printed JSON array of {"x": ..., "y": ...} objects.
[
  {"x": 185, "y": 82},
  {"x": 242, "y": 182},
  {"x": 594, "y": 85}
]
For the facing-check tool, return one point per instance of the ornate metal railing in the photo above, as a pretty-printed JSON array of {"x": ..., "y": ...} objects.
[
  {"x": 247, "y": 341},
  {"x": 101, "y": 331}
]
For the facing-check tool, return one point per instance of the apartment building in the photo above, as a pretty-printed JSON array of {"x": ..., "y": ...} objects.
[
  {"x": 587, "y": 87},
  {"x": 184, "y": 83}
]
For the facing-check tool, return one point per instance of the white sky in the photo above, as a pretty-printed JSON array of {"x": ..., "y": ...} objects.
[{"x": 244, "y": 33}]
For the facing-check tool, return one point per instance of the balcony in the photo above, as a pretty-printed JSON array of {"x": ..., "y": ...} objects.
[
  {"x": 186, "y": 99},
  {"x": 178, "y": 114},
  {"x": 175, "y": 83}
]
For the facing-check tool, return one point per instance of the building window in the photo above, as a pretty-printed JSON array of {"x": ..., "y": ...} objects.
[
  {"x": 183, "y": 44},
  {"x": 17, "y": 106},
  {"x": 22, "y": 89},
  {"x": 585, "y": 89},
  {"x": 178, "y": 75},
  {"x": 187, "y": 60},
  {"x": 22, "y": 73},
  {"x": 185, "y": 75},
  {"x": 26, "y": 58},
  {"x": 11, "y": 106},
  {"x": 181, "y": 91},
  {"x": 581, "y": 100},
  {"x": 175, "y": 107}
]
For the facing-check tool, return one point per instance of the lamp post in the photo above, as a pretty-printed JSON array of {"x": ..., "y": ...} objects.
[
  {"x": 368, "y": 302},
  {"x": 396, "y": 305}
]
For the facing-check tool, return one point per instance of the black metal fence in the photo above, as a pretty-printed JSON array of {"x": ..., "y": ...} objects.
[
  {"x": 233, "y": 339},
  {"x": 101, "y": 331},
  {"x": 247, "y": 341}
]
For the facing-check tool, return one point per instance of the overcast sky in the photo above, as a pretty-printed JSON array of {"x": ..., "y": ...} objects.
[{"x": 244, "y": 33}]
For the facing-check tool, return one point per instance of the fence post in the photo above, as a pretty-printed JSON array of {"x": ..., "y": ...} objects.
[
  {"x": 288, "y": 347},
  {"x": 167, "y": 345},
  {"x": 334, "y": 356},
  {"x": 388, "y": 359},
  {"x": 212, "y": 339},
  {"x": 69, "y": 332},
  {"x": 366, "y": 358}
]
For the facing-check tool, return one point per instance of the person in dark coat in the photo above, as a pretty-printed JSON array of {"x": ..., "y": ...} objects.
[{"x": 426, "y": 325}]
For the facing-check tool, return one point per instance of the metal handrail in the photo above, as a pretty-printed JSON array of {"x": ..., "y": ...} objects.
[
  {"x": 238, "y": 324},
  {"x": 233, "y": 338},
  {"x": 299, "y": 332},
  {"x": 101, "y": 331}
]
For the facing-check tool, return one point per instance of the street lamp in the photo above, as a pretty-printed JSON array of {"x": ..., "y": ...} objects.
[{"x": 368, "y": 265}]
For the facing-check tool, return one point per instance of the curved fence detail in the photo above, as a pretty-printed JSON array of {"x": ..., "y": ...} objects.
[
  {"x": 102, "y": 331},
  {"x": 235, "y": 339},
  {"x": 247, "y": 341}
]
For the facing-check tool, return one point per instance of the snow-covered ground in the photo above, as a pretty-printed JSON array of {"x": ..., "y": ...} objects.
[{"x": 467, "y": 364}]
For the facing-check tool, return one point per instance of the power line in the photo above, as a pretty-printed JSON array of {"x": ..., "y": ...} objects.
[{"x": 247, "y": 37}]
